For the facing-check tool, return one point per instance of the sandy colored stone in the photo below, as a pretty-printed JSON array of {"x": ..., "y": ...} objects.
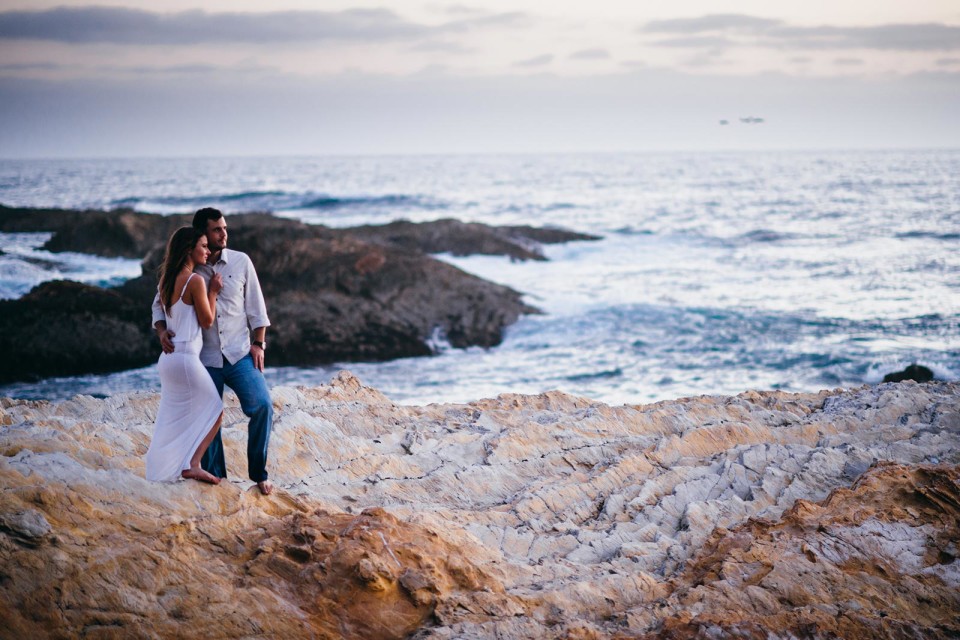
[{"x": 763, "y": 515}]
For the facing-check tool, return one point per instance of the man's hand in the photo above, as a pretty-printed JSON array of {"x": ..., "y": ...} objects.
[
  {"x": 166, "y": 340},
  {"x": 257, "y": 354}
]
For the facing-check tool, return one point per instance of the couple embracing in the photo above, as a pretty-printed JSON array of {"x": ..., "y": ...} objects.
[{"x": 208, "y": 301}]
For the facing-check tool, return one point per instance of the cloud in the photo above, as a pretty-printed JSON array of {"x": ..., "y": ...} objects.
[
  {"x": 696, "y": 42},
  {"x": 537, "y": 61},
  {"x": 436, "y": 46},
  {"x": 590, "y": 54},
  {"x": 713, "y": 22},
  {"x": 176, "y": 69},
  {"x": 115, "y": 25},
  {"x": 133, "y": 26},
  {"x": 512, "y": 19},
  {"x": 192, "y": 69},
  {"x": 115, "y": 71},
  {"x": 708, "y": 59},
  {"x": 33, "y": 66},
  {"x": 891, "y": 37},
  {"x": 947, "y": 62},
  {"x": 743, "y": 30},
  {"x": 848, "y": 62},
  {"x": 459, "y": 10}
]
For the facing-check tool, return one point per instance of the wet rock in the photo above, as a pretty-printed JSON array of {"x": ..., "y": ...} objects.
[
  {"x": 915, "y": 372},
  {"x": 464, "y": 239},
  {"x": 118, "y": 233},
  {"x": 334, "y": 298},
  {"x": 66, "y": 328},
  {"x": 29, "y": 219},
  {"x": 330, "y": 298},
  {"x": 131, "y": 234}
]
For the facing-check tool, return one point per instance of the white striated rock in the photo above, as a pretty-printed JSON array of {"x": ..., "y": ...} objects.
[{"x": 577, "y": 517}]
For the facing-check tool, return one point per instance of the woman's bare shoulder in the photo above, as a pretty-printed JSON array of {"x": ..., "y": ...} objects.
[{"x": 195, "y": 287}]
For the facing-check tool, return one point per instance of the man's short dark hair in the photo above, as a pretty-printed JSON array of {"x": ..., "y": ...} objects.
[{"x": 205, "y": 215}]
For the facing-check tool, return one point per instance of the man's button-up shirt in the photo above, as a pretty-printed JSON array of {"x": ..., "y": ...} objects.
[{"x": 240, "y": 308}]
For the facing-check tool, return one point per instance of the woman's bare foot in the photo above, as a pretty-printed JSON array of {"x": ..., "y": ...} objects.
[
  {"x": 265, "y": 486},
  {"x": 201, "y": 475}
]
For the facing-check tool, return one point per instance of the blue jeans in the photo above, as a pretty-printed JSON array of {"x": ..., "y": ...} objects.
[{"x": 251, "y": 389}]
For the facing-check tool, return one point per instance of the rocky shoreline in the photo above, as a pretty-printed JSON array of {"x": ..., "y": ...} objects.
[
  {"x": 334, "y": 295},
  {"x": 763, "y": 515}
]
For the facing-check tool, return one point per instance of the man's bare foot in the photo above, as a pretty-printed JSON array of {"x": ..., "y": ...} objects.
[
  {"x": 265, "y": 486},
  {"x": 201, "y": 475}
]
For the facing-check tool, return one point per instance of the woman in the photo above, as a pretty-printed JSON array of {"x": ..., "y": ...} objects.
[{"x": 190, "y": 407}]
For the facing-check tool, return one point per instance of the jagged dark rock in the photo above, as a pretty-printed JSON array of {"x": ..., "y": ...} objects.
[
  {"x": 463, "y": 238},
  {"x": 130, "y": 234},
  {"x": 66, "y": 328},
  {"x": 338, "y": 298},
  {"x": 116, "y": 234},
  {"x": 29, "y": 219},
  {"x": 119, "y": 233},
  {"x": 916, "y": 372},
  {"x": 331, "y": 297}
]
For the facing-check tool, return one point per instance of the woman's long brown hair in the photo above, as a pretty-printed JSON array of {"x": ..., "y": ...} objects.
[{"x": 178, "y": 250}]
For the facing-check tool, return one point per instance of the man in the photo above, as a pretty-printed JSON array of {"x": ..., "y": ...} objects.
[{"x": 228, "y": 353}]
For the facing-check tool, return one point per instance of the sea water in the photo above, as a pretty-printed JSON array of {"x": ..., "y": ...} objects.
[{"x": 716, "y": 272}]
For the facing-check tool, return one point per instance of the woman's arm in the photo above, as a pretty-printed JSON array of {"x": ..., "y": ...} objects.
[{"x": 204, "y": 301}]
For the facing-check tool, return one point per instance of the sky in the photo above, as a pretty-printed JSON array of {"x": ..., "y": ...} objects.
[{"x": 123, "y": 78}]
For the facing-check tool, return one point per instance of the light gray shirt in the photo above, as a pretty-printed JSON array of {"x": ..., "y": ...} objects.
[{"x": 240, "y": 308}]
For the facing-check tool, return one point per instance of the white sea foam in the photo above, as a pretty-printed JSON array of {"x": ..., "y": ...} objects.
[{"x": 24, "y": 265}]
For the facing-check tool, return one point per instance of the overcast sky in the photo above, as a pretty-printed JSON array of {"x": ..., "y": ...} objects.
[{"x": 123, "y": 78}]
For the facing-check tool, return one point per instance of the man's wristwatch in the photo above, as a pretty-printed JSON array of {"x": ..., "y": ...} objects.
[{"x": 260, "y": 343}]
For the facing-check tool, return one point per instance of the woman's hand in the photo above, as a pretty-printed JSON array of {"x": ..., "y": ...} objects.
[
  {"x": 205, "y": 300},
  {"x": 216, "y": 283}
]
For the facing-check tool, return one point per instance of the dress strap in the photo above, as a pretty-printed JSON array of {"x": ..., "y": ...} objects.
[{"x": 185, "y": 285}]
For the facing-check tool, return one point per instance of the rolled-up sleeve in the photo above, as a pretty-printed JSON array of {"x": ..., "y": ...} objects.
[
  {"x": 254, "y": 304},
  {"x": 158, "y": 313}
]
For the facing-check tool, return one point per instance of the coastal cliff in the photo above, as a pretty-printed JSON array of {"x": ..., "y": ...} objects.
[{"x": 767, "y": 514}]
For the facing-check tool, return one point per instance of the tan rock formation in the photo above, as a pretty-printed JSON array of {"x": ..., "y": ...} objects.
[
  {"x": 876, "y": 560},
  {"x": 761, "y": 515}
]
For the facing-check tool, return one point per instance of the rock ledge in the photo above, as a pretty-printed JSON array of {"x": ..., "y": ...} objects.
[{"x": 768, "y": 514}]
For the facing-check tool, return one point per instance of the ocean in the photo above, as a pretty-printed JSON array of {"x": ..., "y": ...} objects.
[{"x": 716, "y": 272}]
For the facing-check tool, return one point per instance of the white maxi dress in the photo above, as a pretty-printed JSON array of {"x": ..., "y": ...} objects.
[{"x": 189, "y": 403}]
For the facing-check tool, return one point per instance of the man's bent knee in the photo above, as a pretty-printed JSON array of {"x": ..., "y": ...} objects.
[{"x": 260, "y": 409}]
